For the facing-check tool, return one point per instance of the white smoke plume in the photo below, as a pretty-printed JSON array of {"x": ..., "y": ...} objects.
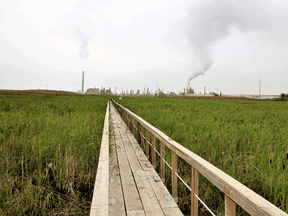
[
  {"x": 211, "y": 21},
  {"x": 83, "y": 40}
]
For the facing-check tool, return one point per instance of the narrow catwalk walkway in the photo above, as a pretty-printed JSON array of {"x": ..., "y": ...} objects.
[{"x": 134, "y": 186}]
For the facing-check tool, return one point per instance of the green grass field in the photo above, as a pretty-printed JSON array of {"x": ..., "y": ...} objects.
[
  {"x": 49, "y": 148},
  {"x": 247, "y": 139}
]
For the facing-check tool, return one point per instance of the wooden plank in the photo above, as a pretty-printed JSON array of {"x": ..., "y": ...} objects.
[
  {"x": 142, "y": 138},
  {"x": 168, "y": 206},
  {"x": 136, "y": 213},
  {"x": 133, "y": 126},
  {"x": 115, "y": 190},
  {"x": 100, "y": 200},
  {"x": 159, "y": 188},
  {"x": 174, "y": 177},
  {"x": 136, "y": 127},
  {"x": 131, "y": 196},
  {"x": 172, "y": 211},
  {"x": 130, "y": 154},
  {"x": 125, "y": 117},
  {"x": 128, "y": 121},
  {"x": 194, "y": 187},
  {"x": 230, "y": 207},
  {"x": 239, "y": 193},
  {"x": 149, "y": 200},
  {"x": 147, "y": 144},
  {"x": 147, "y": 195},
  {"x": 153, "y": 142},
  {"x": 162, "y": 164}
]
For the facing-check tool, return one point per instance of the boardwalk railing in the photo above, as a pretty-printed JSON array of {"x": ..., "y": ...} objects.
[
  {"x": 100, "y": 200},
  {"x": 235, "y": 192}
]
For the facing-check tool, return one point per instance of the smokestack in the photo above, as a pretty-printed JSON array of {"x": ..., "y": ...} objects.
[
  {"x": 204, "y": 90},
  {"x": 83, "y": 82}
]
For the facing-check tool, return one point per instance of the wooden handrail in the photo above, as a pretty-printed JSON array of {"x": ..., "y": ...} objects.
[
  {"x": 235, "y": 192},
  {"x": 100, "y": 200}
]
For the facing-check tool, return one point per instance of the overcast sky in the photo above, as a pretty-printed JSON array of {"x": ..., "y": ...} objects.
[{"x": 226, "y": 45}]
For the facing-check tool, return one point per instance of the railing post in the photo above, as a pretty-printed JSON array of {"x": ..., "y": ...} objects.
[
  {"x": 162, "y": 164},
  {"x": 147, "y": 144},
  {"x": 230, "y": 206},
  {"x": 142, "y": 134},
  {"x": 194, "y": 188},
  {"x": 136, "y": 127},
  {"x": 153, "y": 152},
  {"x": 127, "y": 119},
  {"x": 130, "y": 125},
  {"x": 174, "y": 177},
  {"x": 133, "y": 126}
]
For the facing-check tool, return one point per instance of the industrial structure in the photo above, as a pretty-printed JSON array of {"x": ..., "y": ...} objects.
[
  {"x": 94, "y": 91},
  {"x": 188, "y": 92}
]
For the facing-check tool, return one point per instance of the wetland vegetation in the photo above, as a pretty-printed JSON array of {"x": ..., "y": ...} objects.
[{"x": 246, "y": 139}]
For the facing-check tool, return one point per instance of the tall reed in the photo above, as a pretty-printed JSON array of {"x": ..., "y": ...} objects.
[{"x": 49, "y": 149}]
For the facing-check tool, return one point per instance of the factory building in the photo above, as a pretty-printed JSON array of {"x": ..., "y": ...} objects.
[{"x": 94, "y": 91}]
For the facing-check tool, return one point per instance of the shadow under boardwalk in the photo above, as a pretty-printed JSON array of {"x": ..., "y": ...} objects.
[{"x": 133, "y": 189}]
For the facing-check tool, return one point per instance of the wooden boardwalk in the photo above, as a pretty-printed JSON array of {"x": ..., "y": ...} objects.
[
  {"x": 134, "y": 186},
  {"x": 127, "y": 184}
]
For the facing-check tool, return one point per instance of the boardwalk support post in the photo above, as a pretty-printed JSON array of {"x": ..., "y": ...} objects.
[
  {"x": 147, "y": 144},
  {"x": 162, "y": 164},
  {"x": 142, "y": 134},
  {"x": 127, "y": 120},
  {"x": 133, "y": 127},
  {"x": 194, "y": 191},
  {"x": 153, "y": 152},
  {"x": 136, "y": 129},
  {"x": 230, "y": 206},
  {"x": 174, "y": 177}
]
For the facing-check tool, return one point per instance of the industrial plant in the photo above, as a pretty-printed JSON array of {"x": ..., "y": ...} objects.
[{"x": 187, "y": 92}]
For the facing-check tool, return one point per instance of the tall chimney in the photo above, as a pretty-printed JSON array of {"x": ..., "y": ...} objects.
[
  {"x": 204, "y": 90},
  {"x": 83, "y": 82}
]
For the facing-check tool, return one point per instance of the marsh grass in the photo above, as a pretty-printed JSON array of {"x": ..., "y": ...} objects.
[
  {"x": 247, "y": 140},
  {"x": 49, "y": 148}
]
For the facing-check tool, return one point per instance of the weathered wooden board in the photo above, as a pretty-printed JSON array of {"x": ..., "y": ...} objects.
[
  {"x": 158, "y": 187},
  {"x": 116, "y": 207},
  {"x": 172, "y": 211},
  {"x": 131, "y": 196},
  {"x": 100, "y": 200},
  {"x": 136, "y": 213},
  {"x": 149, "y": 200},
  {"x": 147, "y": 195}
]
